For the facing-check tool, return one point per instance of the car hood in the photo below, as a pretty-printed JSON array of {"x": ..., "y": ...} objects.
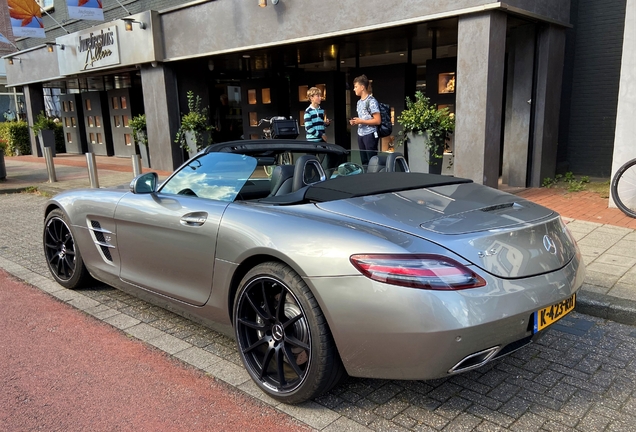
[{"x": 501, "y": 233}]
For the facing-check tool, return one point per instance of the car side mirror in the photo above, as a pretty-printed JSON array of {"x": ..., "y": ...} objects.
[{"x": 144, "y": 183}]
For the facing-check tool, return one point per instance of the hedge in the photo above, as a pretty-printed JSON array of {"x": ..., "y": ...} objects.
[{"x": 16, "y": 135}]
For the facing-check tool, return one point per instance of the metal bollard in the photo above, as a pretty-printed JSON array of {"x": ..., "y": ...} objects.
[
  {"x": 92, "y": 170},
  {"x": 136, "y": 163},
  {"x": 50, "y": 167}
]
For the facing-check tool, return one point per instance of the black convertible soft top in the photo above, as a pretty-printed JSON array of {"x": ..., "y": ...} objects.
[
  {"x": 363, "y": 185},
  {"x": 274, "y": 146}
]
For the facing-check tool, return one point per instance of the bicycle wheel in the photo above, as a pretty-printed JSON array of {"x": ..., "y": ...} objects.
[
  {"x": 269, "y": 170},
  {"x": 623, "y": 188}
]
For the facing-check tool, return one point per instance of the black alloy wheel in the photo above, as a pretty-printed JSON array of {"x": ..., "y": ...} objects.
[
  {"x": 282, "y": 336},
  {"x": 62, "y": 256}
]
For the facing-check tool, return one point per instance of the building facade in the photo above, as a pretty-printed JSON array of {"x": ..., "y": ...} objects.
[{"x": 498, "y": 66}]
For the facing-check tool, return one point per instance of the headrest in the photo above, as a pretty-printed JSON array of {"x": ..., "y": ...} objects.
[
  {"x": 307, "y": 170},
  {"x": 377, "y": 163}
]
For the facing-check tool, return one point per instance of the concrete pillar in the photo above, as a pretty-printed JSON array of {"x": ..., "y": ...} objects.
[
  {"x": 161, "y": 105},
  {"x": 480, "y": 71},
  {"x": 547, "y": 101},
  {"x": 518, "y": 106},
  {"x": 624, "y": 148},
  {"x": 34, "y": 104}
]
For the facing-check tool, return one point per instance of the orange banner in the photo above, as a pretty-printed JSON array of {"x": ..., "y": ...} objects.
[{"x": 26, "y": 18}]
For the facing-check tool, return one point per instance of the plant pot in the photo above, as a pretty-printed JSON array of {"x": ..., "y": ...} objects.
[
  {"x": 422, "y": 158},
  {"x": 145, "y": 155},
  {"x": 192, "y": 143},
  {"x": 143, "y": 150},
  {"x": 47, "y": 139}
]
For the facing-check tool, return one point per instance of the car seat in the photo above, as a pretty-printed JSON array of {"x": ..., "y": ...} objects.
[{"x": 281, "y": 180}]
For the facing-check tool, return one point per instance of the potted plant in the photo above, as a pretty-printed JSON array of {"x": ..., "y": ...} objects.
[
  {"x": 424, "y": 129},
  {"x": 44, "y": 127},
  {"x": 193, "y": 134},
  {"x": 140, "y": 134}
]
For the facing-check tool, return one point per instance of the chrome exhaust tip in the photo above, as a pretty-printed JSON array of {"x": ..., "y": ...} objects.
[{"x": 475, "y": 360}]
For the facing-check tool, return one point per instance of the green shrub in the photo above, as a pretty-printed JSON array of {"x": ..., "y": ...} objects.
[{"x": 16, "y": 135}]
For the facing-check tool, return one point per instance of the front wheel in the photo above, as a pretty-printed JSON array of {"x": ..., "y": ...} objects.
[
  {"x": 63, "y": 257},
  {"x": 282, "y": 335},
  {"x": 623, "y": 188}
]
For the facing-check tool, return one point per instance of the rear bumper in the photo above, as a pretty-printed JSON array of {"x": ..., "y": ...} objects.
[{"x": 390, "y": 332}]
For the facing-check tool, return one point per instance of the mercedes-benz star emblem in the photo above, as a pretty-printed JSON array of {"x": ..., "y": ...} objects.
[
  {"x": 549, "y": 244},
  {"x": 277, "y": 332}
]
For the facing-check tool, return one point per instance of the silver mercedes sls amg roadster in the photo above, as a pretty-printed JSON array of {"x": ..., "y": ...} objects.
[{"x": 320, "y": 267}]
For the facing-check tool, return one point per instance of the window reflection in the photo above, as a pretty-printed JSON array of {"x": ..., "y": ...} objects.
[{"x": 216, "y": 176}]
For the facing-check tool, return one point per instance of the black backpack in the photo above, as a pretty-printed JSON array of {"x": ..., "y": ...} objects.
[{"x": 385, "y": 128}]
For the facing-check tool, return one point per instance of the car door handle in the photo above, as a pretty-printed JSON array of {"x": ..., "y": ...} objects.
[{"x": 194, "y": 219}]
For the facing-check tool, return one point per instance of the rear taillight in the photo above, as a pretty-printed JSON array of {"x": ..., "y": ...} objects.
[{"x": 417, "y": 271}]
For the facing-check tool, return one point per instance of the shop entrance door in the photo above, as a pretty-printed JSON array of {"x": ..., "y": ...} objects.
[
  {"x": 262, "y": 99},
  {"x": 98, "y": 133},
  {"x": 73, "y": 123},
  {"x": 119, "y": 104}
]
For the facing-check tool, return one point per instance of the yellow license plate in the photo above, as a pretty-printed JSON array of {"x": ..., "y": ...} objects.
[{"x": 551, "y": 314}]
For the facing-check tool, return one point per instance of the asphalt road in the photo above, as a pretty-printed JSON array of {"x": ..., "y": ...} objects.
[
  {"x": 63, "y": 370},
  {"x": 580, "y": 377}
]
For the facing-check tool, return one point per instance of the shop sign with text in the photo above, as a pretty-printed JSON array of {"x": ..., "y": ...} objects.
[
  {"x": 99, "y": 49},
  {"x": 94, "y": 49}
]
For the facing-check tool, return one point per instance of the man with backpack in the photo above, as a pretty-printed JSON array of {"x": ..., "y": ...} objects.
[{"x": 368, "y": 119}]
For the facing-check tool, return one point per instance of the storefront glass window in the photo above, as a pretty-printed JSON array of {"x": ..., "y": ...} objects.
[{"x": 12, "y": 104}]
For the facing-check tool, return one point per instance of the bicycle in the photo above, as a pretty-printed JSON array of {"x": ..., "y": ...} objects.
[
  {"x": 623, "y": 188},
  {"x": 285, "y": 158}
]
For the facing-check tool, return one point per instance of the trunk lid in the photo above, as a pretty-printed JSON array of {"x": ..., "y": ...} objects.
[{"x": 501, "y": 233}]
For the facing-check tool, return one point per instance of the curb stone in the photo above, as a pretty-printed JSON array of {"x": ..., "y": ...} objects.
[{"x": 619, "y": 310}]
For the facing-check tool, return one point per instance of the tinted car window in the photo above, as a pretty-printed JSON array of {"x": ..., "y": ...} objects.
[{"x": 217, "y": 176}]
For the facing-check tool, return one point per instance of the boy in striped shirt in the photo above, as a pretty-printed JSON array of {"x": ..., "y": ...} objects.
[{"x": 315, "y": 121}]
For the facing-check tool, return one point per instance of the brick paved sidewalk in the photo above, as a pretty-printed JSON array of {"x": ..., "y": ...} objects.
[{"x": 585, "y": 205}]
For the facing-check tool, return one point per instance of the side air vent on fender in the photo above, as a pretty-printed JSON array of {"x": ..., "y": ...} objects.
[{"x": 101, "y": 238}]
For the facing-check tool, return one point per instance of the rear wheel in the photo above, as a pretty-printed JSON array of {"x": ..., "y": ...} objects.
[
  {"x": 61, "y": 252},
  {"x": 282, "y": 335},
  {"x": 623, "y": 188}
]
